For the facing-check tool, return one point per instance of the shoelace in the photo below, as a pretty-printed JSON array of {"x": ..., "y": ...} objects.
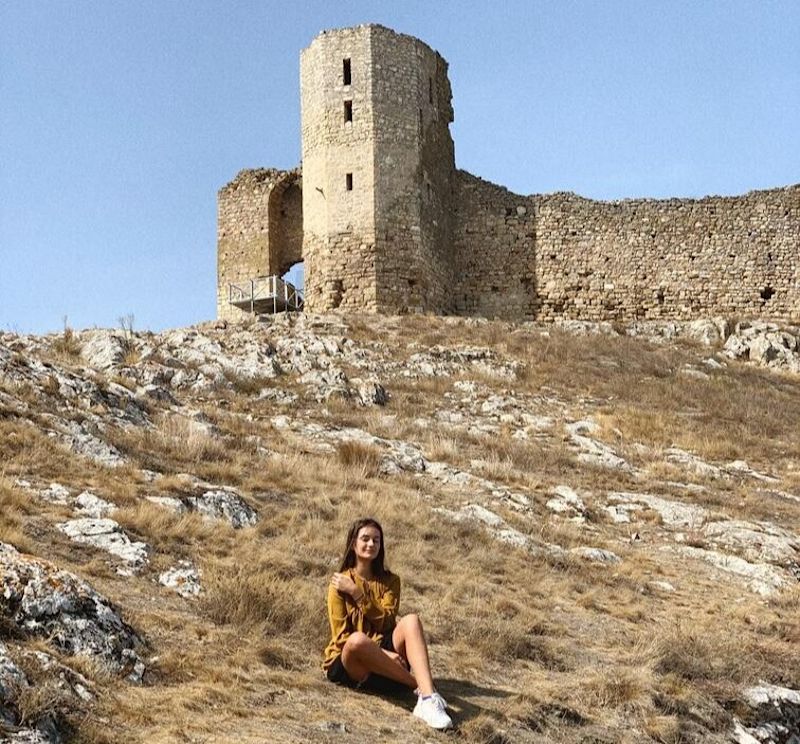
[{"x": 435, "y": 698}]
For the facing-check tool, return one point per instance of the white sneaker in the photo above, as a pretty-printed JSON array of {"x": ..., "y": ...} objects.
[{"x": 431, "y": 710}]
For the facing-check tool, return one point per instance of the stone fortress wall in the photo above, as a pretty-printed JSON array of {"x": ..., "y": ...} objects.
[
  {"x": 387, "y": 224},
  {"x": 563, "y": 256}
]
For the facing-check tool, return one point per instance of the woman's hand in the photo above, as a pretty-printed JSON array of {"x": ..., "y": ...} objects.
[{"x": 343, "y": 583}]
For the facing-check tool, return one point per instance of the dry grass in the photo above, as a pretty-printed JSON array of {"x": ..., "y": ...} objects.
[
  {"x": 177, "y": 444},
  {"x": 597, "y": 655},
  {"x": 15, "y": 505},
  {"x": 66, "y": 346},
  {"x": 364, "y": 459}
]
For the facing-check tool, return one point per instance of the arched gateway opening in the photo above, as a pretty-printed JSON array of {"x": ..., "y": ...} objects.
[{"x": 262, "y": 266}]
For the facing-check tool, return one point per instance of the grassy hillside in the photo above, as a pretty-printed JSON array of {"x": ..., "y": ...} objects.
[{"x": 599, "y": 532}]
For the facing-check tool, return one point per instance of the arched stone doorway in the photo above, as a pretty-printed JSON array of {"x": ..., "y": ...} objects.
[{"x": 286, "y": 224}]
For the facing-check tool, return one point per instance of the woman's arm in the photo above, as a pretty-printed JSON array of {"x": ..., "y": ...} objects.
[{"x": 337, "y": 613}]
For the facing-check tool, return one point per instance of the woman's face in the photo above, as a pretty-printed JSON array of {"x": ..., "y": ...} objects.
[{"x": 368, "y": 542}]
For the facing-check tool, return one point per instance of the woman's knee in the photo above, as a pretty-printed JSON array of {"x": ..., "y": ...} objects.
[
  {"x": 357, "y": 642},
  {"x": 410, "y": 621}
]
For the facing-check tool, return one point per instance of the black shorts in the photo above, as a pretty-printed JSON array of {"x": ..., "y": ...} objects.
[{"x": 374, "y": 682}]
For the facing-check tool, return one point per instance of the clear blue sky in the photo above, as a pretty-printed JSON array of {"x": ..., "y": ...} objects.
[{"x": 119, "y": 121}]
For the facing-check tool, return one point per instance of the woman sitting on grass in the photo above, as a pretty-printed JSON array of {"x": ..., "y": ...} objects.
[{"x": 370, "y": 648}]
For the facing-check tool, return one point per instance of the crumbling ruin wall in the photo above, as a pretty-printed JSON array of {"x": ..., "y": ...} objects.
[
  {"x": 259, "y": 230},
  {"x": 286, "y": 224},
  {"x": 563, "y": 256},
  {"x": 495, "y": 251}
]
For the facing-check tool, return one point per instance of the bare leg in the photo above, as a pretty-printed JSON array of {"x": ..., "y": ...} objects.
[
  {"x": 362, "y": 656},
  {"x": 409, "y": 641}
]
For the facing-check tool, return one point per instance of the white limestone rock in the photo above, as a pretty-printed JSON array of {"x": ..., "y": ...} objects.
[
  {"x": 774, "y": 716},
  {"x": 672, "y": 513},
  {"x": 766, "y": 344},
  {"x": 586, "y": 327},
  {"x": 103, "y": 349},
  {"x": 442, "y": 361},
  {"x": 326, "y": 383},
  {"x": 369, "y": 392},
  {"x": 90, "y": 505},
  {"x": 281, "y": 397},
  {"x": 661, "y": 586},
  {"x": 55, "y": 493},
  {"x": 762, "y": 578},
  {"x": 596, "y": 555},
  {"x": 566, "y": 501},
  {"x": 106, "y": 534},
  {"x": 169, "y": 502},
  {"x": 691, "y": 462},
  {"x": 593, "y": 452},
  {"x": 226, "y": 504},
  {"x": 83, "y": 442},
  {"x": 183, "y": 579},
  {"x": 760, "y": 542},
  {"x": 56, "y": 605},
  {"x": 740, "y": 467}
]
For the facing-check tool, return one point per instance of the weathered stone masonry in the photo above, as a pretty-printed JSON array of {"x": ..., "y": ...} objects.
[
  {"x": 560, "y": 255},
  {"x": 385, "y": 223},
  {"x": 259, "y": 229}
]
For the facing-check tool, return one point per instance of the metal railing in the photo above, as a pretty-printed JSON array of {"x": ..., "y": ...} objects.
[{"x": 265, "y": 293}]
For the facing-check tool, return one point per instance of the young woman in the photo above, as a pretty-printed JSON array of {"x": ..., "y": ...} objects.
[{"x": 370, "y": 647}]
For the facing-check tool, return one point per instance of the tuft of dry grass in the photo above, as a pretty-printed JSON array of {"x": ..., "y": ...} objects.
[
  {"x": 364, "y": 459},
  {"x": 254, "y": 594},
  {"x": 67, "y": 346},
  {"x": 15, "y": 505},
  {"x": 177, "y": 441},
  {"x": 698, "y": 654},
  {"x": 177, "y": 534}
]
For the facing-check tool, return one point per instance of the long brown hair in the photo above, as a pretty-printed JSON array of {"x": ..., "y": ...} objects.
[{"x": 349, "y": 561}]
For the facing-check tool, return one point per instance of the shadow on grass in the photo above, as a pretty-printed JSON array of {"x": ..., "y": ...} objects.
[{"x": 459, "y": 694}]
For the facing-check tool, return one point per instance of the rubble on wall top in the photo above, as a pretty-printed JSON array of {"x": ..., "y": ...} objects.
[
  {"x": 253, "y": 176},
  {"x": 373, "y": 27},
  {"x": 572, "y": 196}
]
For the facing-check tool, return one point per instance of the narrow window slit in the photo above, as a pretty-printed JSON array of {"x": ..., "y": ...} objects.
[
  {"x": 348, "y": 181},
  {"x": 348, "y": 111},
  {"x": 346, "y": 73}
]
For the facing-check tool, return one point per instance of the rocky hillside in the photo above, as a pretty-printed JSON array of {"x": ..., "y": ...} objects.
[{"x": 600, "y": 527}]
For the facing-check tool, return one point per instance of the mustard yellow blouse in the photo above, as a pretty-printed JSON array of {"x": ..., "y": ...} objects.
[{"x": 374, "y": 614}]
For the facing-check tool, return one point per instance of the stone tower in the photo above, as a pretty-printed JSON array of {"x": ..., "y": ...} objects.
[{"x": 378, "y": 167}]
